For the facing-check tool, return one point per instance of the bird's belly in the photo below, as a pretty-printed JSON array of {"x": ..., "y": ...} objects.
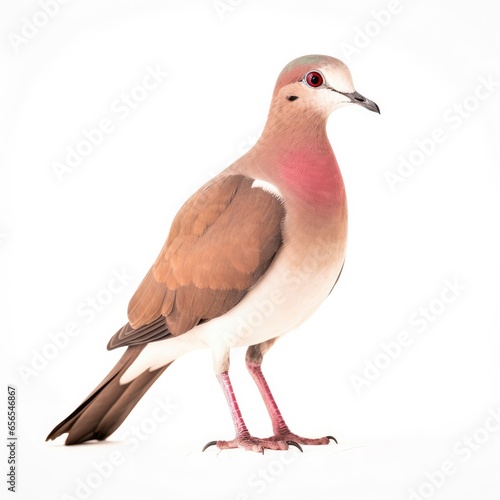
[{"x": 284, "y": 298}]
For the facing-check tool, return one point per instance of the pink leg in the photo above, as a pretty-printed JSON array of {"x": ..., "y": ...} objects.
[
  {"x": 279, "y": 425},
  {"x": 281, "y": 431},
  {"x": 239, "y": 424},
  {"x": 243, "y": 438}
]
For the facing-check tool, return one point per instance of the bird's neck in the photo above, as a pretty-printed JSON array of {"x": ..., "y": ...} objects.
[{"x": 303, "y": 162}]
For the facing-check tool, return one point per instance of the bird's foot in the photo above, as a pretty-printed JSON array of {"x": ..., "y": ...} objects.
[
  {"x": 290, "y": 437},
  {"x": 251, "y": 443}
]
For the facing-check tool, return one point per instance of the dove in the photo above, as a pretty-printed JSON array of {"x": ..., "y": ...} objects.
[{"x": 249, "y": 257}]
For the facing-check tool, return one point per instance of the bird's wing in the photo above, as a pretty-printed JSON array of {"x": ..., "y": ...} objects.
[{"x": 221, "y": 242}]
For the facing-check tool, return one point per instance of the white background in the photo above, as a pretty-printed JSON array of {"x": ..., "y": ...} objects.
[{"x": 61, "y": 240}]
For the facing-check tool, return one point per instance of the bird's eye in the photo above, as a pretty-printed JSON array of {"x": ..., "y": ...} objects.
[{"x": 314, "y": 79}]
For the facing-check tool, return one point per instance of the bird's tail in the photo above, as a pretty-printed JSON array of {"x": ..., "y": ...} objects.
[{"x": 108, "y": 405}]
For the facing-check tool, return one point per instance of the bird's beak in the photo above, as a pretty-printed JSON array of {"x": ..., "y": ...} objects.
[{"x": 357, "y": 98}]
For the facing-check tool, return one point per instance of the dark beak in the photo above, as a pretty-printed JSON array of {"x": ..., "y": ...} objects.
[{"x": 357, "y": 98}]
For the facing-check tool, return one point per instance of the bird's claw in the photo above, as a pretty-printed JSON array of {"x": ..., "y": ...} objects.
[
  {"x": 210, "y": 443},
  {"x": 256, "y": 444},
  {"x": 291, "y": 438},
  {"x": 293, "y": 443},
  {"x": 251, "y": 443}
]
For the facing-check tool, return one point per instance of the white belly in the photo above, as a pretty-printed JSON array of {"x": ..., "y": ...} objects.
[{"x": 286, "y": 298}]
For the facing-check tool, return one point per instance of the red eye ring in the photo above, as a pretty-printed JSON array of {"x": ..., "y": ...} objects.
[{"x": 314, "y": 79}]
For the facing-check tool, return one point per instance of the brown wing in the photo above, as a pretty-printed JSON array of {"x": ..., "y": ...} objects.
[{"x": 221, "y": 242}]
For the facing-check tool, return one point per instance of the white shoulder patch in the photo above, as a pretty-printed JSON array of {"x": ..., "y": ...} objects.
[{"x": 267, "y": 186}]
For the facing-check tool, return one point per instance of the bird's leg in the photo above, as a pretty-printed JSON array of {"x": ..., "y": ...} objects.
[
  {"x": 227, "y": 388},
  {"x": 243, "y": 438},
  {"x": 281, "y": 431}
]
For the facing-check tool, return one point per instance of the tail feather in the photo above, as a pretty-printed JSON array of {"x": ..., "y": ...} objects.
[{"x": 108, "y": 405}]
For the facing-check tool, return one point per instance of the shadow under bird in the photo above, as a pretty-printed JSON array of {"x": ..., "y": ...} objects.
[{"x": 233, "y": 246}]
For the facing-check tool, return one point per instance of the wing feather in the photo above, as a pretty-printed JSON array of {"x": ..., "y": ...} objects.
[{"x": 221, "y": 242}]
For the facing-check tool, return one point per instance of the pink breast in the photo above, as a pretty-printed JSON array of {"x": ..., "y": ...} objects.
[{"x": 313, "y": 177}]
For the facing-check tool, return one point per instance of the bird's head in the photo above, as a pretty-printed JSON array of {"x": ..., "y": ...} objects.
[{"x": 317, "y": 84}]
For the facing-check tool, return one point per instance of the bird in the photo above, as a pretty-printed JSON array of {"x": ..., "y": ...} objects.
[{"x": 249, "y": 257}]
